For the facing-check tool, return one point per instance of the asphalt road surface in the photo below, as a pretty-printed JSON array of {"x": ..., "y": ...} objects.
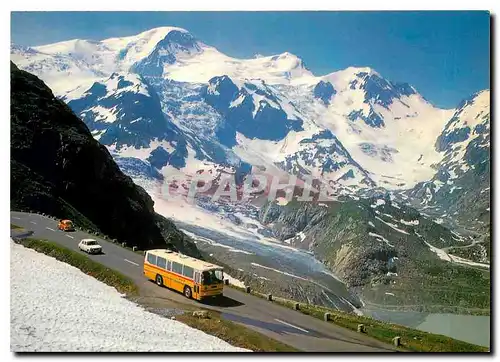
[{"x": 280, "y": 323}]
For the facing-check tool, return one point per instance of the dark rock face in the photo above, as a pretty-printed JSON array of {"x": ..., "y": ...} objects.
[
  {"x": 373, "y": 119},
  {"x": 241, "y": 114},
  {"x": 446, "y": 140},
  {"x": 327, "y": 156},
  {"x": 58, "y": 168},
  {"x": 378, "y": 91},
  {"x": 381, "y": 91},
  {"x": 139, "y": 118},
  {"x": 288, "y": 221},
  {"x": 324, "y": 91},
  {"x": 159, "y": 157},
  {"x": 166, "y": 52}
]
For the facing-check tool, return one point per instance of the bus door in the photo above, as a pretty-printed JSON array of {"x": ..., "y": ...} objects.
[{"x": 197, "y": 282}]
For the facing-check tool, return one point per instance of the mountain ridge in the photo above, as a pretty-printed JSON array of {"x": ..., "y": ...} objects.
[{"x": 367, "y": 114}]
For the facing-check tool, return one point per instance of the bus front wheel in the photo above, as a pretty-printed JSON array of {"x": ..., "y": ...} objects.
[{"x": 187, "y": 292}]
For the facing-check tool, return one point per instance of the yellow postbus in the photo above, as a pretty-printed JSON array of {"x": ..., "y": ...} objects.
[{"x": 194, "y": 278}]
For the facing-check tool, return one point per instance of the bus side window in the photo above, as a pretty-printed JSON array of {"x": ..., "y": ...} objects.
[
  {"x": 161, "y": 262},
  {"x": 188, "y": 272},
  {"x": 177, "y": 268},
  {"x": 197, "y": 277},
  {"x": 169, "y": 265}
]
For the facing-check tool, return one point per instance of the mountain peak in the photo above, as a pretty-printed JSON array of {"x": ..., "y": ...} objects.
[
  {"x": 362, "y": 70},
  {"x": 176, "y": 44},
  {"x": 293, "y": 61},
  {"x": 343, "y": 79},
  {"x": 163, "y": 30}
]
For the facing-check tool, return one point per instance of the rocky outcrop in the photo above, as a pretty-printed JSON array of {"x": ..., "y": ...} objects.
[{"x": 57, "y": 167}]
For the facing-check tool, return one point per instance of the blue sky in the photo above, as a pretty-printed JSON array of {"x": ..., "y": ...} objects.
[{"x": 445, "y": 55}]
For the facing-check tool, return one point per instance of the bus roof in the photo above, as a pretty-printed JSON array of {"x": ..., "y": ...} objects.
[{"x": 184, "y": 259}]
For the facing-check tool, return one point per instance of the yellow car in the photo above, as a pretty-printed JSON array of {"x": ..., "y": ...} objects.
[{"x": 66, "y": 225}]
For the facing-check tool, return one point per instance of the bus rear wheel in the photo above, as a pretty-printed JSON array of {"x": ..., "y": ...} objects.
[
  {"x": 187, "y": 292},
  {"x": 159, "y": 280}
]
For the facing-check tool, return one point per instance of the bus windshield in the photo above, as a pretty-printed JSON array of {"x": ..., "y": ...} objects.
[{"x": 212, "y": 277}]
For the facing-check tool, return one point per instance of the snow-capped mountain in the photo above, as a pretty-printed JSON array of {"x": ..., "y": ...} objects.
[
  {"x": 69, "y": 64},
  {"x": 460, "y": 189},
  {"x": 126, "y": 114},
  {"x": 166, "y": 98}
]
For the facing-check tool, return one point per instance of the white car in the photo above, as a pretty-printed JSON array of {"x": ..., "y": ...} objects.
[{"x": 89, "y": 246}]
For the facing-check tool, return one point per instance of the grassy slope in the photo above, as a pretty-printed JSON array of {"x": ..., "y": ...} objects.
[{"x": 417, "y": 278}]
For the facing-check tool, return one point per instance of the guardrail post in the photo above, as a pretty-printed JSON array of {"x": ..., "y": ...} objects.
[
  {"x": 226, "y": 281},
  {"x": 361, "y": 328},
  {"x": 134, "y": 248},
  {"x": 296, "y": 306},
  {"x": 396, "y": 341},
  {"x": 270, "y": 297},
  {"x": 326, "y": 317},
  {"x": 248, "y": 289}
]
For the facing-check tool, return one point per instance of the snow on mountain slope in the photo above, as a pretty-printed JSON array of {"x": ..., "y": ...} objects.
[
  {"x": 81, "y": 62},
  {"x": 470, "y": 123},
  {"x": 459, "y": 190},
  {"x": 166, "y": 51},
  {"x": 123, "y": 110},
  {"x": 252, "y": 109},
  {"x": 145, "y": 120},
  {"x": 269, "y": 110},
  {"x": 65, "y": 310},
  {"x": 61, "y": 72},
  {"x": 277, "y": 69},
  {"x": 184, "y": 104},
  {"x": 387, "y": 128}
]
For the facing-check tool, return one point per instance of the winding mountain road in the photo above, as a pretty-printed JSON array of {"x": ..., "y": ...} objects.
[{"x": 305, "y": 333}]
